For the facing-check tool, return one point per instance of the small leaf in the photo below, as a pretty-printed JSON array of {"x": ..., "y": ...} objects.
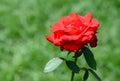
[
  {"x": 52, "y": 64},
  {"x": 72, "y": 66},
  {"x": 77, "y": 54},
  {"x": 86, "y": 75},
  {"x": 96, "y": 76},
  {"x": 62, "y": 58},
  {"x": 89, "y": 57},
  {"x": 68, "y": 53}
]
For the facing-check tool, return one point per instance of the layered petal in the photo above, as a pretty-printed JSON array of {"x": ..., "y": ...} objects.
[
  {"x": 74, "y": 31},
  {"x": 57, "y": 26},
  {"x": 50, "y": 37},
  {"x": 87, "y": 18},
  {"x": 94, "y": 23},
  {"x": 93, "y": 42},
  {"x": 71, "y": 46}
]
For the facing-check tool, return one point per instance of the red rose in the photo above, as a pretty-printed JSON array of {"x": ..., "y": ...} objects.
[{"x": 74, "y": 31}]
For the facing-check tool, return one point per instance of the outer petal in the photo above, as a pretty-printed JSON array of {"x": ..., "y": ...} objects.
[
  {"x": 50, "y": 38},
  {"x": 71, "y": 47},
  {"x": 66, "y": 20},
  {"x": 94, "y": 23},
  {"x": 57, "y": 26},
  {"x": 53, "y": 40},
  {"x": 93, "y": 42},
  {"x": 86, "y": 39},
  {"x": 87, "y": 18}
]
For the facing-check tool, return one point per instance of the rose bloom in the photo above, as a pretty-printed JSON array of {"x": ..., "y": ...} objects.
[{"x": 73, "y": 32}]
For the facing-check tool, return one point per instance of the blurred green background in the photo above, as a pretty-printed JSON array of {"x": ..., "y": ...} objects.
[{"x": 24, "y": 51}]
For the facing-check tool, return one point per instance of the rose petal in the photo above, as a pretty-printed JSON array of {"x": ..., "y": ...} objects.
[
  {"x": 71, "y": 47},
  {"x": 70, "y": 38},
  {"x": 57, "y": 26},
  {"x": 53, "y": 40},
  {"x": 93, "y": 42},
  {"x": 87, "y": 18},
  {"x": 94, "y": 23},
  {"x": 89, "y": 33},
  {"x": 50, "y": 38},
  {"x": 85, "y": 39}
]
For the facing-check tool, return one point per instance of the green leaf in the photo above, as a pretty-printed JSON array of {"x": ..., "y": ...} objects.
[
  {"x": 77, "y": 54},
  {"x": 96, "y": 76},
  {"x": 68, "y": 53},
  {"x": 72, "y": 66},
  {"x": 89, "y": 57},
  {"x": 52, "y": 64},
  {"x": 86, "y": 75}
]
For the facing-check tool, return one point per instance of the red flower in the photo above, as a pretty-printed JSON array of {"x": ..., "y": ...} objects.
[{"x": 74, "y": 31}]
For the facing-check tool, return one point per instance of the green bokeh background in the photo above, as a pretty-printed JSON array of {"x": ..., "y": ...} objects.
[{"x": 24, "y": 51}]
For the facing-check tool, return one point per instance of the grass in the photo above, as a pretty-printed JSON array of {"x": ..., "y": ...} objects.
[{"x": 24, "y": 50}]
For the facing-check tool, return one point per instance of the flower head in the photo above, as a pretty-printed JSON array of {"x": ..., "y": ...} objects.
[{"x": 74, "y": 32}]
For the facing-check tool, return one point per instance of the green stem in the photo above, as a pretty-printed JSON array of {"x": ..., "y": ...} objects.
[
  {"x": 72, "y": 77},
  {"x": 73, "y": 74},
  {"x": 77, "y": 54}
]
